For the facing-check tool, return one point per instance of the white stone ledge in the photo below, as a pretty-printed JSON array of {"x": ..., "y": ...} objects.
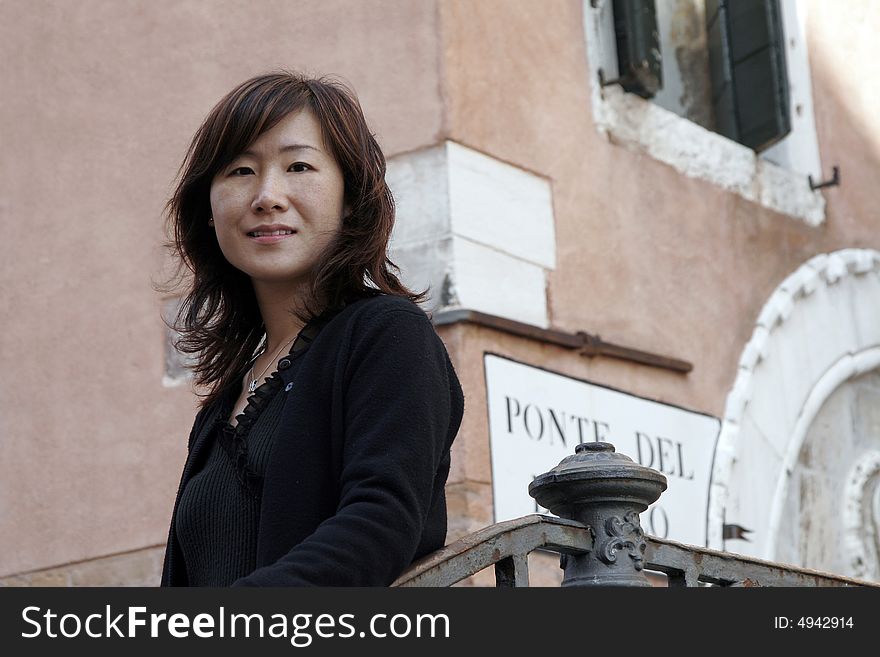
[{"x": 643, "y": 127}]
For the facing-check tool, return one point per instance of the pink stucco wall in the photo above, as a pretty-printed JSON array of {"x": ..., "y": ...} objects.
[
  {"x": 98, "y": 103},
  {"x": 647, "y": 257}
]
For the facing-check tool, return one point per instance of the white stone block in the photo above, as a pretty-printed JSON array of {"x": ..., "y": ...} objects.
[
  {"x": 776, "y": 310},
  {"x": 427, "y": 265},
  {"x": 501, "y": 206},
  {"x": 818, "y": 262},
  {"x": 759, "y": 339},
  {"x": 750, "y": 356},
  {"x": 477, "y": 231},
  {"x": 494, "y": 282},
  {"x": 811, "y": 280},
  {"x": 419, "y": 182},
  {"x": 835, "y": 268},
  {"x": 866, "y": 261},
  {"x": 796, "y": 282},
  {"x": 738, "y": 397}
]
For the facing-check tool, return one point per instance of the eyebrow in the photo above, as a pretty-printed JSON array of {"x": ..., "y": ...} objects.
[{"x": 287, "y": 149}]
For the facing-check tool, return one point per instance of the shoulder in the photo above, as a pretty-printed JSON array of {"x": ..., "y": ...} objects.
[
  {"x": 385, "y": 324},
  {"x": 383, "y": 309}
]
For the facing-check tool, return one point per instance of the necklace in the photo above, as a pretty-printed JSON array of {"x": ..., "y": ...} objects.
[{"x": 253, "y": 380}]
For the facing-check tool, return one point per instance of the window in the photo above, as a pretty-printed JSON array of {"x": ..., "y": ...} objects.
[
  {"x": 748, "y": 83},
  {"x": 747, "y": 70},
  {"x": 734, "y": 75}
]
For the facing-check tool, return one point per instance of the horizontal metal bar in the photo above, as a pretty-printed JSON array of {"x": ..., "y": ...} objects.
[
  {"x": 697, "y": 564},
  {"x": 585, "y": 343},
  {"x": 513, "y": 538}
]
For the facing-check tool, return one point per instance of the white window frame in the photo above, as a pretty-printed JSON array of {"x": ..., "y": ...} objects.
[{"x": 776, "y": 179}]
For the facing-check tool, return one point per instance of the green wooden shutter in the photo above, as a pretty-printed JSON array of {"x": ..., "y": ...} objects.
[
  {"x": 638, "y": 47},
  {"x": 747, "y": 67}
]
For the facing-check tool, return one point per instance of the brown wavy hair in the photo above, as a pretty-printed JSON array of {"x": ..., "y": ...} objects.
[{"x": 218, "y": 319}]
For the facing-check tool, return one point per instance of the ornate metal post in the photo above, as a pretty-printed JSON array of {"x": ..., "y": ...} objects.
[{"x": 605, "y": 491}]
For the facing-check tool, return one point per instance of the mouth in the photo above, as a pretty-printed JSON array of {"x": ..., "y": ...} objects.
[{"x": 270, "y": 236}]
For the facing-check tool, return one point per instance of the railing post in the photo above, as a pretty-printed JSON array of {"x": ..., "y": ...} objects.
[{"x": 605, "y": 491}]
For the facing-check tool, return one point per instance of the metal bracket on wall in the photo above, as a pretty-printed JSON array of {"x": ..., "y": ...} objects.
[
  {"x": 584, "y": 343},
  {"x": 833, "y": 182},
  {"x": 606, "y": 83}
]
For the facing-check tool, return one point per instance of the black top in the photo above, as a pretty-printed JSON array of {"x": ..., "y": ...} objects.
[
  {"x": 219, "y": 511},
  {"x": 353, "y": 490}
]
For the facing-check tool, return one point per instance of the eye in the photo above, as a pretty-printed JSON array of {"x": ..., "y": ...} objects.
[
  {"x": 241, "y": 171},
  {"x": 299, "y": 167}
]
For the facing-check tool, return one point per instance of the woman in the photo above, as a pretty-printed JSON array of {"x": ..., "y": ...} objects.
[{"x": 320, "y": 452}]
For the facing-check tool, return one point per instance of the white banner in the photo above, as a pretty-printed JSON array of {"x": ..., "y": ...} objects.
[{"x": 537, "y": 417}]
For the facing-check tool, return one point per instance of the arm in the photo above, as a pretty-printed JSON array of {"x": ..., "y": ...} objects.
[
  {"x": 398, "y": 409},
  {"x": 173, "y": 559}
]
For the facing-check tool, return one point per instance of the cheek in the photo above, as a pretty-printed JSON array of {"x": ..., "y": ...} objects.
[{"x": 222, "y": 201}]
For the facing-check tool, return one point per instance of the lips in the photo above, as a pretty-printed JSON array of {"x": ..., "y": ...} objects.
[
  {"x": 271, "y": 239},
  {"x": 270, "y": 230},
  {"x": 270, "y": 233}
]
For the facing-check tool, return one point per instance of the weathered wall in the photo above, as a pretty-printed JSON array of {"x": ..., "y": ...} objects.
[
  {"x": 645, "y": 256},
  {"x": 98, "y": 103}
]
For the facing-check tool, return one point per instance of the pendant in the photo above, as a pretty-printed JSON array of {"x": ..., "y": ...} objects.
[{"x": 252, "y": 386}]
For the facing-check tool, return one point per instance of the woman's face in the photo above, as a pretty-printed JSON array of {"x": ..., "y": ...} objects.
[{"x": 278, "y": 204}]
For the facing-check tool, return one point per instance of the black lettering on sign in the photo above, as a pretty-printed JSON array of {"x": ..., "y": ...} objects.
[
  {"x": 511, "y": 413},
  {"x": 537, "y": 414},
  {"x": 601, "y": 431},
  {"x": 681, "y": 465},
  {"x": 538, "y": 423},
  {"x": 559, "y": 430},
  {"x": 658, "y": 522},
  {"x": 646, "y": 457},
  {"x": 662, "y": 454}
]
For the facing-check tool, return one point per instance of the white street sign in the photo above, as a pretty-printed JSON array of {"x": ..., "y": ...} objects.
[{"x": 537, "y": 417}]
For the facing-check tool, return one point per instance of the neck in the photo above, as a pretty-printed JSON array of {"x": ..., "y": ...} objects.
[{"x": 276, "y": 303}]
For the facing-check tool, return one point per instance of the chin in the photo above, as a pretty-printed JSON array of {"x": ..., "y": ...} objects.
[{"x": 275, "y": 277}]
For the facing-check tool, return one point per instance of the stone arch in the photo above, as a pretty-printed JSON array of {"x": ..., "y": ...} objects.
[{"x": 819, "y": 329}]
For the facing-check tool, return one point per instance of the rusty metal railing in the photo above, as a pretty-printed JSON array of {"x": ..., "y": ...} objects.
[
  {"x": 599, "y": 495},
  {"x": 506, "y": 546}
]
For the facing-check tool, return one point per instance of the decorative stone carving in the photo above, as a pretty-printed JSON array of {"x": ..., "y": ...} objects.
[
  {"x": 816, "y": 331},
  {"x": 861, "y": 517},
  {"x": 623, "y": 534}
]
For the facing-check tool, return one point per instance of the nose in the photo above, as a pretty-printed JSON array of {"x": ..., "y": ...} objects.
[{"x": 270, "y": 196}]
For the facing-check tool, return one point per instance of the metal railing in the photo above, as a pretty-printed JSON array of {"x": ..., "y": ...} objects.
[
  {"x": 600, "y": 540},
  {"x": 506, "y": 545}
]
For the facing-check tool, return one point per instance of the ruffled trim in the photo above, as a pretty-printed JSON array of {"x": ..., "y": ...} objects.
[{"x": 234, "y": 439}]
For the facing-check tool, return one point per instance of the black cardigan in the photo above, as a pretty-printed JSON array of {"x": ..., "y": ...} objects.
[{"x": 354, "y": 488}]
